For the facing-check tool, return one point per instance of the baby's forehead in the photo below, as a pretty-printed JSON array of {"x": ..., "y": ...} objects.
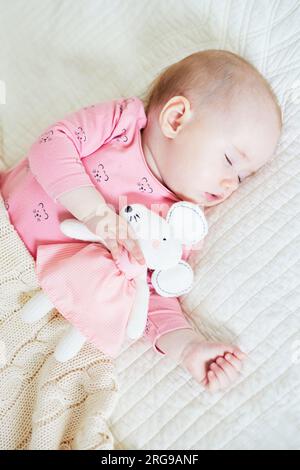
[{"x": 254, "y": 141}]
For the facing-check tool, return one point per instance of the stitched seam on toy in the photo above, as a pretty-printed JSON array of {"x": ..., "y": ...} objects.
[
  {"x": 191, "y": 208},
  {"x": 185, "y": 290}
]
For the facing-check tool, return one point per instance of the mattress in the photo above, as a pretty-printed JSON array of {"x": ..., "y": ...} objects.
[{"x": 58, "y": 56}]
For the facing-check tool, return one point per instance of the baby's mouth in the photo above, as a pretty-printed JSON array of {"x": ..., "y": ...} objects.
[{"x": 212, "y": 197}]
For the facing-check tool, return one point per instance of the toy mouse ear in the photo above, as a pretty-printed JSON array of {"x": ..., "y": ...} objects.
[
  {"x": 187, "y": 222},
  {"x": 73, "y": 228}
]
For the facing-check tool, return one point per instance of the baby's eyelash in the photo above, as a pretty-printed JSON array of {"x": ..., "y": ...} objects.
[{"x": 231, "y": 165}]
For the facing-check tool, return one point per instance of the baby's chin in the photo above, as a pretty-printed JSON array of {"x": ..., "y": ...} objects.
[
  {"x": 208, "y": 204},
  {"x": 203, "y": 202}
]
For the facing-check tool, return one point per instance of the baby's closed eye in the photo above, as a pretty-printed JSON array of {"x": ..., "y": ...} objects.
[{"x": 230, "y": 163}]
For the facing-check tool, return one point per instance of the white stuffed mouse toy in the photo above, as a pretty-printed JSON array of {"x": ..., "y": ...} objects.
[{"x": 161, "y": 241}]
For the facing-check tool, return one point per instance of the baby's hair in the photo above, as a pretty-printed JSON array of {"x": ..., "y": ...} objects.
[{"x": 206, "y": 77}]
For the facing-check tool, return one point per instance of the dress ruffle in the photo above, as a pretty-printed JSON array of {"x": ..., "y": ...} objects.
[{"x": 90, "y": 289}]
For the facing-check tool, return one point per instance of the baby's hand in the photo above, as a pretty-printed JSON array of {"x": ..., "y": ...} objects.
[
  {"x": 115, "y": 231},
  {"x": 214, "y": 365}
]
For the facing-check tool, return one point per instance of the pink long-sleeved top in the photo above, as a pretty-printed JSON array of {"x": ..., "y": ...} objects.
[{"x": 100, "y": 146}]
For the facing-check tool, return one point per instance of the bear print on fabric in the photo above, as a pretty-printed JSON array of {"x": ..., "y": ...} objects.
[
  {"x": 100, "y": 173},
  {"x": 40, "y": 213},
  {"x": 80, "y": 134},
  {"x": 144, "y": 185},
  {"x": 46, "y": 136}
]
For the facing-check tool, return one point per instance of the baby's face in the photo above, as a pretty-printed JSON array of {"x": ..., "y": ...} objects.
[{"x": 214, "y": 154}]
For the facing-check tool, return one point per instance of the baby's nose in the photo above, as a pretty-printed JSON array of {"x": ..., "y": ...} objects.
[{"x": 229, "y": 184}]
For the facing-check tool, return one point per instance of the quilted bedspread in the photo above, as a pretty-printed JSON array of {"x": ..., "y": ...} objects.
[{"x": 59, "y": 55}]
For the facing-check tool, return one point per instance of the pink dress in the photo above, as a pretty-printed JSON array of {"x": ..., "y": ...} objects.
[{"x": 100, "y": 146}]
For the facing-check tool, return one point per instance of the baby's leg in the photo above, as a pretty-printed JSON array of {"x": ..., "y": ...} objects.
[{"x": 36, "y": 308}]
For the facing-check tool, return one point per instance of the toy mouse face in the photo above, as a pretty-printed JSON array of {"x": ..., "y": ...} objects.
[
  {"x": 161, "y": 239},
  {"x": 146, "y": 224},
  {"x": 159, "y": 248}
]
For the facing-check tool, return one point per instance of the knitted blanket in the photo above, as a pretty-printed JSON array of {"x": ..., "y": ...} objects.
[
  {"x": 59, "y": 55},
  {"x": 45, "y": 404}
]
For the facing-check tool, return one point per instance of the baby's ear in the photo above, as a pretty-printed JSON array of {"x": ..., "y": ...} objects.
[{"x": 187, "y": 222}]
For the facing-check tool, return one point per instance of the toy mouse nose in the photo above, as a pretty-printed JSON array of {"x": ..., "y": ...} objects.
[
  {"x": 155, "y": 243},
  {"x": 128, "y": 209}
]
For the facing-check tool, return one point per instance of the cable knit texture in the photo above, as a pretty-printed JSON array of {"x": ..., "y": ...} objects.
[{"x": 46, "y": 404}]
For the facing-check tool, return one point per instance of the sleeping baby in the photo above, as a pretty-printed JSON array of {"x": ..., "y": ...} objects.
[{"x": 207, "y": 123}]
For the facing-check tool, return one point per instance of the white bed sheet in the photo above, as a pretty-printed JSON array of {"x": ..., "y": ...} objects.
[{"x": 56, "y": 56}]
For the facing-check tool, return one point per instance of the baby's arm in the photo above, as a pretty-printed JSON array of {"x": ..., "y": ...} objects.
[
  {"x": 165, "y": 318},
  {"x": 55, "y": 160},
  {"x": 84, "y": 203},
  {"x": 89, "y": 206}
]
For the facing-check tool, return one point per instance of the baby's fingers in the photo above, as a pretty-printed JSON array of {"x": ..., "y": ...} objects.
[
  {"x": 228, "y": 368},
  {"x": 127, "y": 238},
  {"x": 134, "y": 250},
  {"x": 234, "y": 361},
  {"x": 212, "y": 384},
  {"x": 113, "y": 247},
  {"x": 224, "y": 380},
  {"x": 239, "y": 354}
]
